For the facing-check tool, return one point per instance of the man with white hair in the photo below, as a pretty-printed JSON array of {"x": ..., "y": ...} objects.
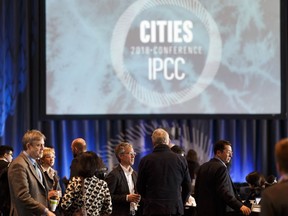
[{"x": 163, "y": 179}]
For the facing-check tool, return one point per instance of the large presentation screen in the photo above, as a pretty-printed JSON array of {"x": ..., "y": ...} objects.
[{"x": 112, "y": 57}]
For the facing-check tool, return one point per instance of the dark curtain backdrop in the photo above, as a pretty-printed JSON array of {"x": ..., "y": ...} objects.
[{"x": 253, "y": 139}]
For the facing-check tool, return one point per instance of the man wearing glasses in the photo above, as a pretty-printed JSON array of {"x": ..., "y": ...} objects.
[
  {"x": 6, "y": 156},
  {"x": 122, "y": 182},
  {"x": 215, "y": 193}
]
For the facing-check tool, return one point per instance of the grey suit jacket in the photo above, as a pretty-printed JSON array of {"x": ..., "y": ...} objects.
[
  {"x": 28, "y": 195},
  {"x": 119, "y": 189},
  {"x": 274, "y": 201}
]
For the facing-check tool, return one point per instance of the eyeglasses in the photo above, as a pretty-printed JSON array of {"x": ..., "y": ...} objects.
[
  {"x": 130, "y": 153},
  {"x": 10, "y": 154}
]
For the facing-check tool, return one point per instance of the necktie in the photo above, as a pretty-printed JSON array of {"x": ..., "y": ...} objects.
[{"x": 38, "y": 171}]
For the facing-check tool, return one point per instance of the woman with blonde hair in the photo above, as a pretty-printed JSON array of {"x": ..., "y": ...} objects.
[
  {"x": 51, "y": 177},
  {"x": 47, "y": 162}
]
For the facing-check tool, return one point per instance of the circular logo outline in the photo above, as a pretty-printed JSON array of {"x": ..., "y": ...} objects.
[{"x": 147, "y": 96}]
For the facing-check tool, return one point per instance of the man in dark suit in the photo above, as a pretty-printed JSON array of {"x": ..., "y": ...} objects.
[
  {"x": 122, "y": 182},
  {"x": 215, "y": 193},
  {"x": 274, "y": 200},
  {"x": 78, "y": 146},
  {"x": 6, "y": 156},
  {"x": 28, "y": 189},
  {"x": 163, "y": 179}
]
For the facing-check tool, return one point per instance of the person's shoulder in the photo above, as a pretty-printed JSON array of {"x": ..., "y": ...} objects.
[
  {"x": 3, "y": 164},
  {"x": 216, "y": 162},
  {"x": 97, "y": 181},
  {"x": 180, "y": 157},
  {"x": 114, "y": 173},
  {"x": 21, "y": 159},
  {"x": 75, "y": 159},
  {"x": 207, "y": 163},
  {"x": 212, "y": 164},
  {"x": 278, "y": 188},
  {"x": 76, "y": 180},
  {"x": 116, "y": 169}
]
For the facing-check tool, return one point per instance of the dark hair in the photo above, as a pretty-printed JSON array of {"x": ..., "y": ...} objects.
[
  {"x": 89, "y": 163},
  {"x": 178, "y": 150},
  {"x": 5, "y": 149},
  {"x": 255, "y": 179},
  {"x": 220, "y": 145},
  {"x": 192, "y": 155},
  {"x": 270, "y": 180}
]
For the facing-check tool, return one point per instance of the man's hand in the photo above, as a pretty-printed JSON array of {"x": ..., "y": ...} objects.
[
  {"x": 245, "y": 210},
  {"x": 55, "y": 194},
  {"x": 134, "y": 198}
]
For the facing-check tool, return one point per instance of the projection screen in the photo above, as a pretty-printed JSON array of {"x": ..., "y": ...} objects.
[{"x": 112, "y": 57}]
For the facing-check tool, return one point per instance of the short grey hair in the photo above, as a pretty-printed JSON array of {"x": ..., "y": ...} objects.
[
  {"x": 120, "y": 149},
  {"x": 160, "y": 136}
]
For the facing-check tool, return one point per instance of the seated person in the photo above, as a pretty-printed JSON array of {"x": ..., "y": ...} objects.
[{"x": 256, "y": 183}]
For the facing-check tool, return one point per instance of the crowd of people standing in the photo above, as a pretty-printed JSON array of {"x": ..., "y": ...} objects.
[{"x": 167, "y": 180}]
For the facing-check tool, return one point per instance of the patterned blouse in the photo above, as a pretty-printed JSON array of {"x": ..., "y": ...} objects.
[{"x": 97, "y": 196}]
